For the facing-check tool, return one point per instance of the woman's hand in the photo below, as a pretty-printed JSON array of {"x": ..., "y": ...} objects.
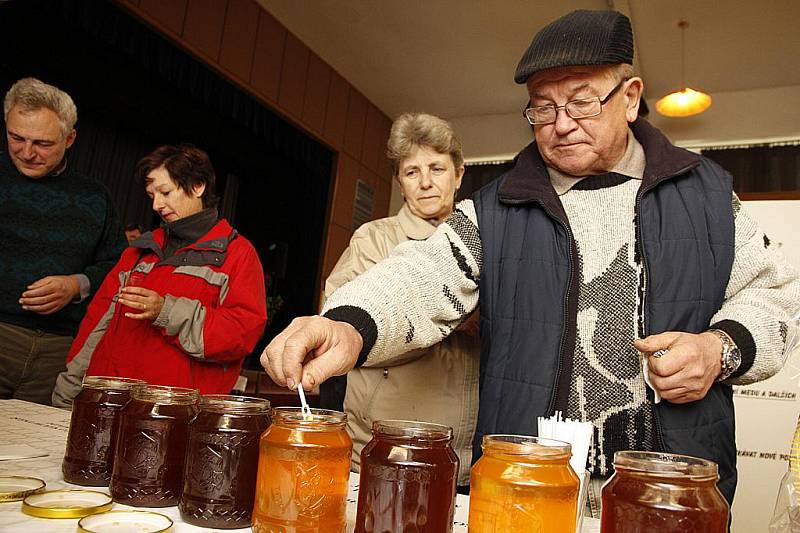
[{"x": 147, "y": 301}]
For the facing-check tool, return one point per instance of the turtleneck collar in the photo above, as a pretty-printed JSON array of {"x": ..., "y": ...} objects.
[{"x": 188, "y": 230}]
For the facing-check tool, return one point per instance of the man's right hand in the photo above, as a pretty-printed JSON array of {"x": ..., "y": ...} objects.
[{"x": 311, "y": 349}]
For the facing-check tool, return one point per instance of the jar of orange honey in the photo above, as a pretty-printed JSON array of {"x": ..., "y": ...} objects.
[
  {"x": 523, "y": 484},
  {"x": 303, "y": 472}
]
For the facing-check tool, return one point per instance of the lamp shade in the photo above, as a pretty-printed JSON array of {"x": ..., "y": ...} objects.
[{"x": 684, "y": 103}]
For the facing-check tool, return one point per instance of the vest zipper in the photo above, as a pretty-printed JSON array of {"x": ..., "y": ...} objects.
[{"x": 640, "y": 246}]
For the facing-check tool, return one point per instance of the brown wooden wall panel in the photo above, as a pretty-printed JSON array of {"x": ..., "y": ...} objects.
[
  {"x": 203, "y": 26},
  {"x": 368, "y": 177},
  {"x": 384, "y": 167},
  {"x": 344, "y": 192},
  {"x": 265, "y": 76},
  {"x": 134, "y": 3},
  {"x": 293, "y": 76},
  {"x": 372, "y": 138},
  {"x": 338, "y": 240},
  {"x": 316, "y": 100},
  {"x": 336, "y": 111},
  {"x": 169, "y": 15},
  {"x": 383, "y": 197},
  {"x": 239, "y": 37},
  {"x": 354, "y": 127}
]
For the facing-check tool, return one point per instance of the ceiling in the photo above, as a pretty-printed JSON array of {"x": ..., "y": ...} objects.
[{"x": 456, "y": 58}]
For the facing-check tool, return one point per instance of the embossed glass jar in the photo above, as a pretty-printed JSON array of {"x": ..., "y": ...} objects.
[
  {"x": 664, "y": 492},
  {"x": 151, "y": 446},
  {"x": 303, "y": 472},
  {"x": 523, "y": 484},
  {"x": 89, "y": 456},
  {"x": 408, "y": 478},
  {"x": 219, "y": 479}
]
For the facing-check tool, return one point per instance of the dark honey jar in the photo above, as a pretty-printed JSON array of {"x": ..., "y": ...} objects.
[
  {"x": 664, "y": 492},
  {"x": 89, "y": 456},
  {"x": 151, "y": 446},
  {"x": 408, "y": 478},
  {"x": 220, "y": 477}
]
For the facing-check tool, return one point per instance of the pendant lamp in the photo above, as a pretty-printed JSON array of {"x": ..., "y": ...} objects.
[{"x": 687, "y": 101}]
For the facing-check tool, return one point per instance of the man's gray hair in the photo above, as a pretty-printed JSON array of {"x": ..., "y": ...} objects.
[{"x": 32, "y": 94}]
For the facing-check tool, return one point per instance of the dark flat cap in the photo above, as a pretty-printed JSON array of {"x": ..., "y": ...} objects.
[{"x": 579, "y": 38}]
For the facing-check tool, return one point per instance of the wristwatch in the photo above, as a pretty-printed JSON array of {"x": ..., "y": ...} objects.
[{"x": 731, "y": 357}]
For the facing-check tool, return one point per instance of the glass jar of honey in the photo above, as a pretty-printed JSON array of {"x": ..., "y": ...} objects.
[
  {"x": 408, "y": 478},
  {"x": 664, "y": 492},
  {"x": 220, "y": 481},
  {"x": 303, "y": 472},
  {"x": 523, "y": 484},
  {"x": 151, "y": 446},
  {"x": 89, "y": 455}
]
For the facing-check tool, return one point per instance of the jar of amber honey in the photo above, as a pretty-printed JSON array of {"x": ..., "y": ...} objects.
[
  {"x": 220, "y": 479},
  {"x": 303, "y": 472},
  {"x": 89, "y": 456},
  {"x": 408, "y": 478},
  {"x": 151, "y": 446},
  {"x": 664, "y": 492},
  {"x": 523, "y": 484}
]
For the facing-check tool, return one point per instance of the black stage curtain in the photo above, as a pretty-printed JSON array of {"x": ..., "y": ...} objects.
[
  {"x": 761, "y": 169},
  {"x": 135, "y": 91}
]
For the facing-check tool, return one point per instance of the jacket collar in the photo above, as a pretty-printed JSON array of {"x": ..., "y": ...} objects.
[
  {"x": 414, "y": 227},
  {"x": 216, "y": 240},
  {"x": 529, "y": 181}
]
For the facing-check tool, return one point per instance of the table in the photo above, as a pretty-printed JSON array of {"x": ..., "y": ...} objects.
[{"x": 45, "y": 428}]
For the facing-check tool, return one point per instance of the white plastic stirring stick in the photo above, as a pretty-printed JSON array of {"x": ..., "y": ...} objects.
[{"x": 306, "y": 410}]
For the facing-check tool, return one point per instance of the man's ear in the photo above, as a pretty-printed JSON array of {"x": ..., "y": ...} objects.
[
  {"x": 71, "y": 138},
  {"x": 633, "y": 94}
]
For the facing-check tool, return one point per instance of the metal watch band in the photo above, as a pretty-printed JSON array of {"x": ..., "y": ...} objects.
[{"x": 731, "y": 357}]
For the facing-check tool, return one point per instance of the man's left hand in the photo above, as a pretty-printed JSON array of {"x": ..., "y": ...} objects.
[
  {"x": 687, "y": 369},
  {"x": 147, "y": 302},
  {"x": 50, "y": 294}
]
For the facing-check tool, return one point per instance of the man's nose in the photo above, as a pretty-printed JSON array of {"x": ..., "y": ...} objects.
[
  {"x": 27, "y": 150},
  {"x": 564, "y": 123}
]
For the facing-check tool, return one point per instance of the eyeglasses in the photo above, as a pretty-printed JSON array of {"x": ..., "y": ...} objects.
[{"x": 576, "y": 109}]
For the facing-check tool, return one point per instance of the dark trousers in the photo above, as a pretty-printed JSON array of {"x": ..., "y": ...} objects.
[{"x": 30, "y": 362}]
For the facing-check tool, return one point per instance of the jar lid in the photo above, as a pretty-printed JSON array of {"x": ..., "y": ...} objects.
[
  {"x": 666, "y": 464},
  {"x": 412, "y": 429},
  {"x": 15, "y": 488},
  {"x": 124, "y": 522},
  {"x": 66, "y": 503}
]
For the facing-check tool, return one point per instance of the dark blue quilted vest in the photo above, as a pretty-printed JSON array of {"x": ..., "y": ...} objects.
[{"x": 685, "y": 234}]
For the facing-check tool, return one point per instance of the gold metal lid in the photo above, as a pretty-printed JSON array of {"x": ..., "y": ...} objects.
[
  {"x": 15, "y": 488},
  {"x": 139, "y": 521},
  {"x": 66, "y": 503}
]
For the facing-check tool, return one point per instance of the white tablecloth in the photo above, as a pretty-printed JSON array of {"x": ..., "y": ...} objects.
[{"x": 45, "y": 428}]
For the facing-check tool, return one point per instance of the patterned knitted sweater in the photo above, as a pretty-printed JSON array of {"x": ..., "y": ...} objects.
[
  {"x": 56, "y": 225},
  {"x": 424, "y": 289}
]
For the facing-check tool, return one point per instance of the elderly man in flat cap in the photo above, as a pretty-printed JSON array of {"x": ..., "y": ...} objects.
[{"x": 619, "y": 279}]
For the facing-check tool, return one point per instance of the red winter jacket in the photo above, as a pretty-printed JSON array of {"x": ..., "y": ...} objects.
[{"x": 214, "y": 313}]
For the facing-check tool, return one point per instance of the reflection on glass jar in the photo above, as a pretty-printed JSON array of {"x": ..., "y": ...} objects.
[
  {"x": 151, "y": 446},
  {"x": 303, "y": 472},
  {"x": 523, "y": 484},
  {"x": 664, "y": 492},
  {"x": 408, "y": 479},
  {"x": 220, "y": 478},
  {"x": 89, "y": 456}
]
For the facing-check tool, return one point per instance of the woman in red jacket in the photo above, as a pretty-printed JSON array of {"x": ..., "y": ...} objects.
[{"x": 185, "y": 303}]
